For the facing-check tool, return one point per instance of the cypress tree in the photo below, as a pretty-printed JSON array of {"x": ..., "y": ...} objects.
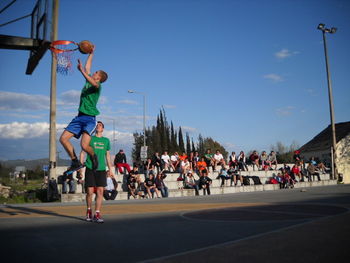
[{"x": 181, "y": 141}]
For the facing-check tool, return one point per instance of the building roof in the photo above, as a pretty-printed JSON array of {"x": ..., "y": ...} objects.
[{"x": 323, "y": 140}]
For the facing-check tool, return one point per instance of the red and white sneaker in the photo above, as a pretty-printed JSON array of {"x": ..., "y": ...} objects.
[
  {"x": 88, "y": 215},
  {"x": 98, "y": 218}
]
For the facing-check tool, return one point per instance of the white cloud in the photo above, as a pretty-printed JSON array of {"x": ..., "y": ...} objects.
[
  {"x": 188, "y": 129},
  {"x": 129, "y": 102},
  {"x": 24, "y": 130},
  {"x": 286, "y": 111},
  {"x": 166, "y": 106},
  {"x": 284, "y": 53},
  {"x": 23, "y": 102},
  {"x": 273, "y": 77},
  {"x": 70, "y": 97}
]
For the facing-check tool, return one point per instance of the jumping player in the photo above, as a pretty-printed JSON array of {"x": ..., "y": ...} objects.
[
  {"x": 97, "y": 179},
  {"x": 84, "y": 124}
]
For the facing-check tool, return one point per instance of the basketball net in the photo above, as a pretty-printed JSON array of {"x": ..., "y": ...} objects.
[{"x": 63, "y": 50}]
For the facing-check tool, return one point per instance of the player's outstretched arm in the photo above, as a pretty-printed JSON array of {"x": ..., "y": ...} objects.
[
  {"x": 86, "y": 75},
  {"x": 89, "y": 61}
]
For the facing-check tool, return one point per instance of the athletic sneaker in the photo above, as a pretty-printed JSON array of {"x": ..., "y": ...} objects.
[
  {"x": 88, "y": 215},
  {"x": 75, "y": 165},
  {"x": 94, "y": 160},
  {"x": 98, "y": 218}
]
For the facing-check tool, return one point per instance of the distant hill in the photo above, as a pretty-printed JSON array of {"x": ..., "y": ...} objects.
[{"x": 32, "y": 164}]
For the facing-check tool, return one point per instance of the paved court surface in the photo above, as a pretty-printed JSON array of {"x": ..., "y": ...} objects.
[{"x": 308, "y": 225}]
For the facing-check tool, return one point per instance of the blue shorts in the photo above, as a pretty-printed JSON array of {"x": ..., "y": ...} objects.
[{"x": 82, "y": 123}]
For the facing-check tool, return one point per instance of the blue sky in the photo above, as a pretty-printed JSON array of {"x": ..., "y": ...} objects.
[{"x": 246, "y": 73}]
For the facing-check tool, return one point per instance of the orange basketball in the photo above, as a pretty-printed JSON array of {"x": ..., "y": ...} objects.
[{"x": 86, "y": 47}]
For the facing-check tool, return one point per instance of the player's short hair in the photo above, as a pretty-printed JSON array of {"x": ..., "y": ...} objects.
[
  {"x": 103, "y": 76},
  {"x": 103, "y": 126}
]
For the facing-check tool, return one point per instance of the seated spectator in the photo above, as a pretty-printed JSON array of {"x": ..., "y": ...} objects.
[
  {"x": 150, "y": 187},
  {"x": 183, "y": 156},
  {"x": 242, "y": 162},
  {"x": 159, "y": 182},
  {"x": 131, "y": 183},
  {"x": 218, "y": 159},
  {"x": 321, "y": 167},
  {"x": 254, "y": 158},
  {"x": 157, "y": 161},
  {"x": 120, "y": 162},
  {"x": 148, "y": 167},
  {"x": 196, "y": 159},
  {"x": 110, "y": 192},
  {"x": 185, "y": 167},
  {"x": 296, "y": 172},
  {"x": 223, "y": 175},
  {"x": 190, "y": 182},
  {"x": 265, "y": 163},
  {"x": 235, "y": 176},
  {"x": 312, "y": 171},
  {"x": 134, "y": 172},
  {"x": 175, "y": 161},
  {"x": 140, "y": 189},
  {"x": 312, "y": 161},
  {"x": 201, "y": 165},
  {"x": 166, "y": 164},
  {"x": 209, "y": 159},
  {"x": 205, "y": 182},
  {"x": 287, "y": 179},
  {"x": 272, "y": 158},
  {"x": 232, "y": 161},
  {"x": 70, "y": 182}
]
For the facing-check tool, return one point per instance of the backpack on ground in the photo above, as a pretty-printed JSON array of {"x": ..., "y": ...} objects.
[
  {"x": 246, "y": 180},
  {"x": 256, "y": 180}
]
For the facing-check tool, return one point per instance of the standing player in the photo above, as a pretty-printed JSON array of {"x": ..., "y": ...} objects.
[
  {"x": 84, "y": 124},
  {"x": 97, "y": 179}
]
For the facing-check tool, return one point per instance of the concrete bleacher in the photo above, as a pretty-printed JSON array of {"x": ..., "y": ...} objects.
[{"x": 176, "y": 187}]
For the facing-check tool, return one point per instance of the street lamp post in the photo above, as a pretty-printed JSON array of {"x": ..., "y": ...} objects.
[
  {"x": 330, "y": 95},
  {"x": 144, "y": 113}
]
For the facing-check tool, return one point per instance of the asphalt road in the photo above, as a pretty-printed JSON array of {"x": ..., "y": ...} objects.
[{"x": 308, "y": 225}]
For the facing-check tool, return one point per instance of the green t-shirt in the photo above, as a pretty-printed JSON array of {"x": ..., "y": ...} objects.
[
  {"x": 100, "y": 145},
  {"x": 88, "y": 99},
  {"x": 208, "y": 156}
]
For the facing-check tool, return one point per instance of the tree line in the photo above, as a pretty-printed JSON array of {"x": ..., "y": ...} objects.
[{"x": 165, "y": 137}]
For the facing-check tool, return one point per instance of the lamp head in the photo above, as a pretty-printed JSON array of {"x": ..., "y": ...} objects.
[
  {"x": 321, "y": 26},
  {"x": 333, "y": 30}
]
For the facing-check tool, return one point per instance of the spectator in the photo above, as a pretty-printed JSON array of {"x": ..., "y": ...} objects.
[
  {"x": 242, "y": 162},
  {"x": 175, "y": 161},
  {"x": 110, "y": 192},
  {"x": 312, "y": 171},
  {"x": 159, "y": 182},
  {"x": 196, "y": 159},
  {"x": 201, "y": 165},
  {"x": 120, "y": 162},
  {"x": 296, "y": 156},
  {"x": 272, "y": 158},
  {"x": 232, "y": 161},
  {"x": 223, "y": 175},
  {"x": 265, "y": 163},
  {"x": 157, "y": 161},
  {"x": 235, "y": 176},
  {"x": 134, "y": 172},
  {"x": 185, "y": 167},
  {"x": 70, "y": 182},
  {"x": 148, "y": 167},
  {"x": 205, "y": 182},
  {"x": 190, "y": 183},
  {"x": 166, "y": 161},
  {"x": 209, "y": 159},
  {"x": 183, "y": 156},
  {"x": 151, "y": 187},
  {"x": 254, "y": 158},
  {"x": 190, "y": 159},
  {"x": 218, "y": 159},
  {"x": 132, "y": 186},
  {"x": 140, "y": 189},
  {"x": 296, "y": 172}
]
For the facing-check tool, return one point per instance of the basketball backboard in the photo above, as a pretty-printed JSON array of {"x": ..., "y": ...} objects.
[{"x": 39, "y": 39}]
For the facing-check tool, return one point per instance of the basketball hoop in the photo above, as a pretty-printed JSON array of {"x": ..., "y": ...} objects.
[{"x": 63, "y": 51}]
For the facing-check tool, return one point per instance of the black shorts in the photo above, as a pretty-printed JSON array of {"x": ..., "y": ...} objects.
[{"x": 95, "y": 179}]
